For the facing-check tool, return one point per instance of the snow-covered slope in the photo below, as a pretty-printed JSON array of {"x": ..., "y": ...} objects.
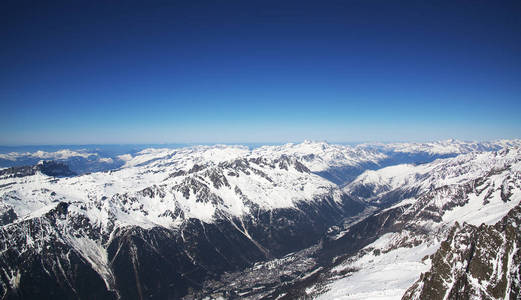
[{"x": 473, "y": 188}]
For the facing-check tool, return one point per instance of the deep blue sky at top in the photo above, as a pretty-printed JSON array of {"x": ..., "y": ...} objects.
[{"x": 258, "y": 71}]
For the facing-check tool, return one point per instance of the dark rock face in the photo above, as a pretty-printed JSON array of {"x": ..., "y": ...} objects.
[
  {"x": 55, "y": 169},
  {"x": 164, "y": 264},
  {"x": 362, "y": 234},
  {"x": 45, "y": 268},
  {"x": 475, "y": 263},
  {"x": 77, "y": 164},
  {"x": 50, "y": 168},
  {"x": 7, "y": 216},
  {"x": 18, "y": 171}
]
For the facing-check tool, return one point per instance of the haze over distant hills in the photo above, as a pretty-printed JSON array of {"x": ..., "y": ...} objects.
[{"x": 92, "y": 158}]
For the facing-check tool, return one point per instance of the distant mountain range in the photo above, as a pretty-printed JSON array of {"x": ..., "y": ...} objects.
[{"x": 307, "y": 220}]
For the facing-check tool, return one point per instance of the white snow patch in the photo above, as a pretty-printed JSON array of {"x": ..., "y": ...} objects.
[{"x": 384, "y": 276}]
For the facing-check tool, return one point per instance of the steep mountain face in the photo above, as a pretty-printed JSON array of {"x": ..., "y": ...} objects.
[
  {"x": 160, "y": 226},
  {"x": 475, "y": 262},
  {"x": 52, "y": 257}
]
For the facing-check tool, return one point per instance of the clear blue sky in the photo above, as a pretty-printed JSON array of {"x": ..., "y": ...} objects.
[{"x": 82, "y": 72}]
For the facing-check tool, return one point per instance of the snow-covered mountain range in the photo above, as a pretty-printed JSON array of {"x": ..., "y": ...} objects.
[
  {"x": 340, "y": 163},
  {"x": 450, "y": 146},
  {"x": 170, "y": 223}
]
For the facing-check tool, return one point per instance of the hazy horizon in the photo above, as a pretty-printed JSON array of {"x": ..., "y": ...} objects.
[{"x": 249, "y": 144}]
